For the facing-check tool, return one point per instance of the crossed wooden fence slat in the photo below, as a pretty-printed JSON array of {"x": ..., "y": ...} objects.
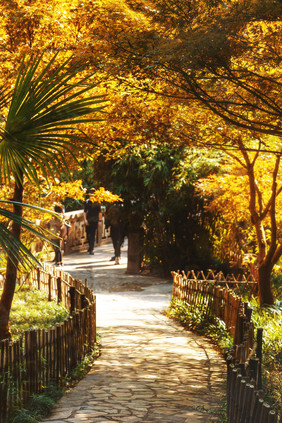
[
  {"x": 40, "y": 357},
  {"x": 214, "y": 295}
]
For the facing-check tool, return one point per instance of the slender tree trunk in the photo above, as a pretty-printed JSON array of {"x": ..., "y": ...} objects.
[
  {"x": 264, "y": 284},
  {"x": 133, "y": 252},
  {"x": 258, "y": 213},
  {"x": 11, "y": 272}
]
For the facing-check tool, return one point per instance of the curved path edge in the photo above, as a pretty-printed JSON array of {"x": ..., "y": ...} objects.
[{"x": 150, "y": 369}]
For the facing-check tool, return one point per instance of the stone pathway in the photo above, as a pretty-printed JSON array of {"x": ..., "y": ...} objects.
[{"x": 150, "y": 370}]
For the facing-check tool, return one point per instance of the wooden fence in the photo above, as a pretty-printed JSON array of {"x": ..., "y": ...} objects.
[
  {"x": 214, "y": 295},
  {"x": 77, "y": 239},
  {"x": 41, "y": 357}
]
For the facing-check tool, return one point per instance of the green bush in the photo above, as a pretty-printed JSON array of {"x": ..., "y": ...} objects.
[
  {"x": 269, "y": 319},
  {"x": 193, "y": 318},
  {"x": 83, "y": 368},
  {"x": 276, "y": 280},
  {"x": 42, "y": 404},
  {"x": 39, "y": 406},
  {"x": 32, "y": 310},
  {"x": 23, "y": 416}
]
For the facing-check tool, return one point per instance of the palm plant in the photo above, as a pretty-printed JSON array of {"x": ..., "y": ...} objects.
[
  {"x": 10, "y": 244},
  {"x": 44, "y": 109}
]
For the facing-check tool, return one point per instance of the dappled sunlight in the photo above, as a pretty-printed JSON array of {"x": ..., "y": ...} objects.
[{"x": 150, "y": 368}]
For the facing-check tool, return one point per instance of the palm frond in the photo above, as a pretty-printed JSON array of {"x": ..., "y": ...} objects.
[
  {"x": 15, "y": 249},
  {"x": 44, "y": 108},
  {"x": 11, "y": 245}
]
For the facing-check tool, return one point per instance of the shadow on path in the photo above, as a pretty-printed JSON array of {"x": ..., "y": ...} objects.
[{"x": 150, "y": 370}]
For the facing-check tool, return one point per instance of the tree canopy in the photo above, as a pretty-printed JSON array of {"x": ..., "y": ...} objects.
[{"x": 199, "y": 73}]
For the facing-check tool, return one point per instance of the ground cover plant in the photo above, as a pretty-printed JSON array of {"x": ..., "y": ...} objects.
[
  {"x": 269, "y": 318},
  {"x": 41, "y": 405},
  {"x": 32, "y": 310},
  {"x": 209, "y": 326},
  {"x": 194, "y": 319}
]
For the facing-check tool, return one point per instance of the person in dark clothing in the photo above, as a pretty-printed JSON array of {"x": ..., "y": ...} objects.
[
  {"x": 58, "y": 228},
  {"x": 92, "y": 219},
  {"x": 114, "y": 221}
]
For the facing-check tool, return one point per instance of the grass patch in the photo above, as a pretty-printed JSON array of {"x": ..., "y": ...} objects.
[
  {"x": 212, "y": 328},
  {"x": 269, "y": 319},
  {"x": 194, "y": 319},
  {"x": 83, "y": 368},
  {"x": 32, "y": 310},
  {"x": 39, "y": 406}
]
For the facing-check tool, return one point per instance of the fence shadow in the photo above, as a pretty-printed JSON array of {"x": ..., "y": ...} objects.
[
  {"x": 214, "y": 295},
  {"x": 40, "y": 357}
]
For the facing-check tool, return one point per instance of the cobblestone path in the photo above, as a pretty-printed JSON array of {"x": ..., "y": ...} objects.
[{"x": 150, "y": 370}]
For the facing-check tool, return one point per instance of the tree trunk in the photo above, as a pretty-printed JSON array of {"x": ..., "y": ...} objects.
[
  {"x": 133, "y": 252},
  {"x": 11, "y": 272},
  {"x": 264, "y": 285}
]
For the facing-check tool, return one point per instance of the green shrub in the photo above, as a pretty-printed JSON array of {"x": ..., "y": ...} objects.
[
  {"x": 193, "y": 318},
  {"x": 23, "y": 416},
  {"x": 269, "y": 319},
  {"x": 32, "y": 310},
  {"x": 276, "y": 280},
  {"x": 41, "y": 405},
  {"x": 83, "y": 368}
]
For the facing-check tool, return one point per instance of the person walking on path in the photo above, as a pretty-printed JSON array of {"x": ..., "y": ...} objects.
[
  {"x": 58, "y": 228},
  {"x": 151, "y": 370},
  {"x": 117, "y": 228},
  {"x": 92, "y": 219}
]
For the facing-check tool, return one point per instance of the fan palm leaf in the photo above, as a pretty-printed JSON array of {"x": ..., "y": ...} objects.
[
  {"x": 44, "y": 112},
  {"x": 44, "y": 109},
  {"x": 10, "y": 244}
]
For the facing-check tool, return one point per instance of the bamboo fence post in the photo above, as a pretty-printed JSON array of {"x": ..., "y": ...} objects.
[
  {"x": 10, "y": 377},
  {"x": 38, "y": 279},
  {"x": 50, "y": 288},
  {"x": 94, "y": 328},
  {"x": 44, "y": 381},
  {"x": 52, "y": 362},
  {"x": 59, "y": 290},
  {"x": 272, "y": 417},
  {"x": 230, "y": 367},
  {"x": 241, "y": 402},
  {"x": 72, "y": 341},
  {"x": 246, "y": 405},
  {"x": 259, "y": 355},
  {"x": 265, "y": 412},
  {"x": 4, "y": 384},
  {"x": 233, "y": 404},
  {"x": 58, "y": 352},
  {"x": 237, "y": 396},
  {"x": 258, "y": 413},
  {"x": 21, "y": 368},
  {"x": 33, "y": 361},
  {"x": 72, "y": 292}
]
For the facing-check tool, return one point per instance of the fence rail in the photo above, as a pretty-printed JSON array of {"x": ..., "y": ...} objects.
[
  {"x": 213, "y": 295},
  {"x": 58, "y": 285},
  {"x": 40, "y": 357}
]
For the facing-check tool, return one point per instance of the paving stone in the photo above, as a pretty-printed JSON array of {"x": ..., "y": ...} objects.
[
  {"x": 53, "y": 421},
  {"x": 151, "y": 370}
]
